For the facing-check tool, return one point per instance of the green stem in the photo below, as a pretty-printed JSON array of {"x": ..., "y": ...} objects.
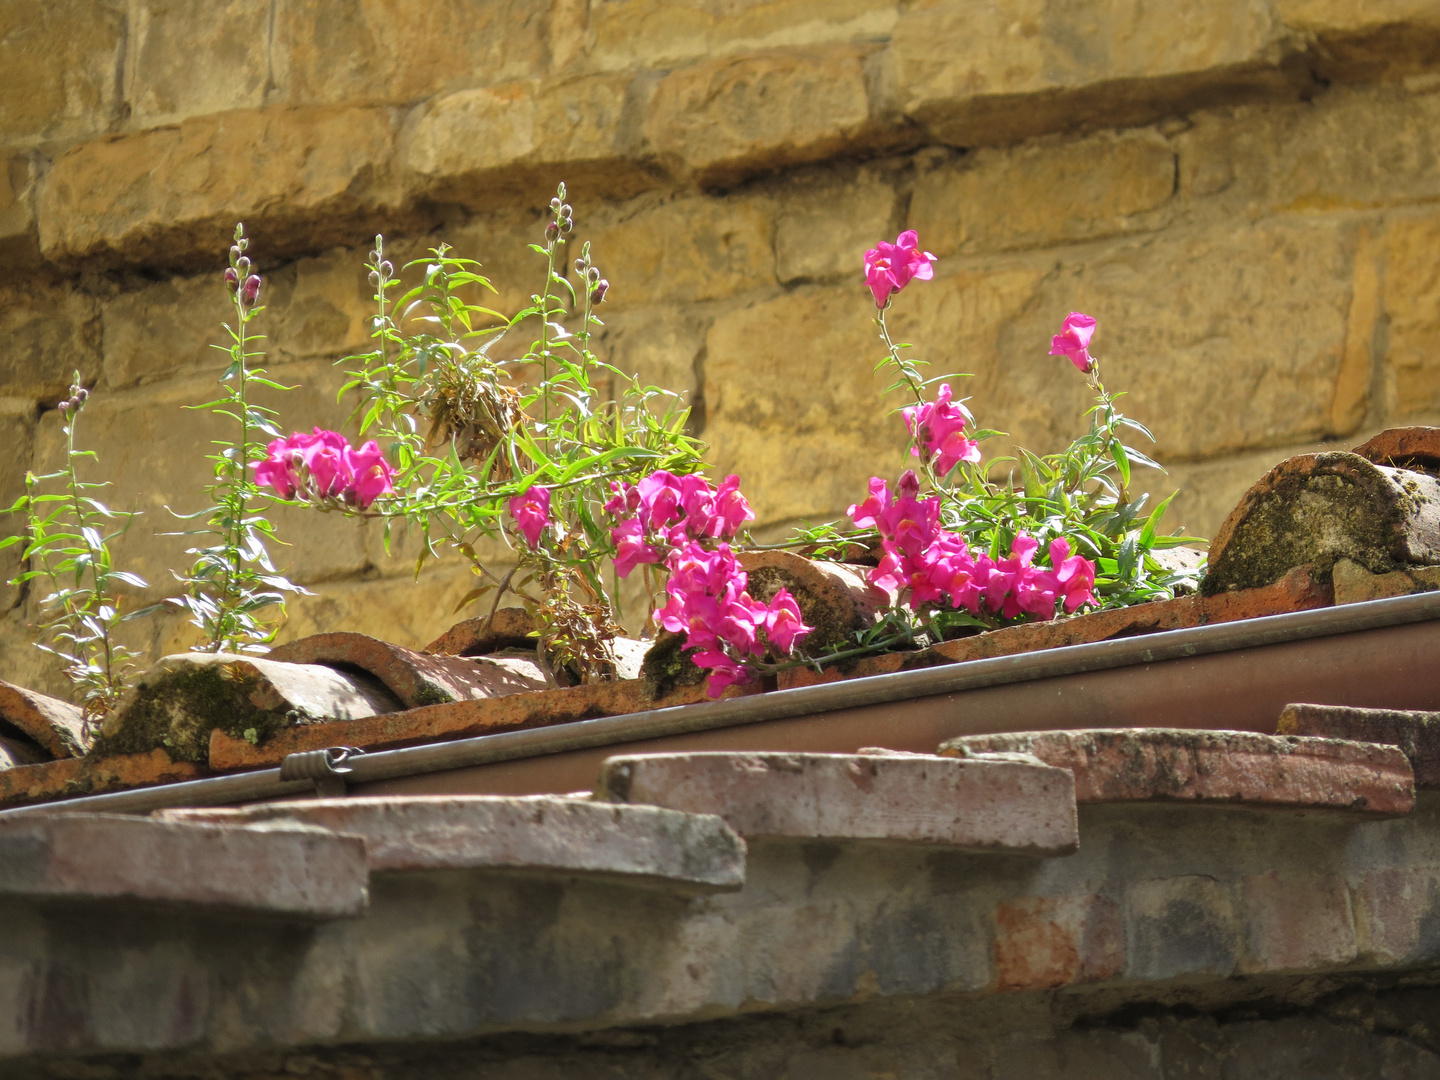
[{"x": 96, "y": 596}]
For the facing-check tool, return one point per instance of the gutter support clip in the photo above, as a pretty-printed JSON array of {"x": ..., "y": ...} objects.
[{"x": 326, "y": 768}]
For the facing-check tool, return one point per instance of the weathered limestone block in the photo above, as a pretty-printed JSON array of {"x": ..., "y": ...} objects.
[
  {"x": 1410, "y": 298},
  {"x": 19, "y": 243},
  {"x": 972, "y": 75},
  {"x": 681, "y": 248},
  {"x": 416, "y": 678},
  {"x": 404, "y": 610},
  {"x": 717, "y": 121},
  {"x": 793, "y": 406},
  {"x": 291, "y": 871},
  {"x": 1315, "y": 509},
  {"x": 834, "y": 598},
  {"x": 827, "y": 219},
  {"x": 1366, "y": 38},
  {"x": 659, "y": 346},
  {"x": 1263, "y": 307},
  {"x": 461, "y": 146},
  {"x": 185, "y": 60},
  {"x": 1221, "y": 768},
  {"x": 1416, "y": 733},
  {"x": 531, "y": 833},
  {"x": 667, "y": 33},
  {"x": 61, "y": 59},
  {"x": 47, "y": 333},
  {"x": 171, "y": 196},
  {"x": 55, "y": 725},
  {"x": 179, "y": 701},
  {"x": 332, "y": 52},
  {"x": 1016, "y": 806},
  {"x": 1043, "y": 193},
  {"x": 1352, "y": 147}
]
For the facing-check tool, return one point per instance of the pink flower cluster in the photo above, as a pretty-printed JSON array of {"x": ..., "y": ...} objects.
[
  {"x": 709, "y": 605},
  {"x": 1074, "y": 340},
  {"x": 934, "y": 564},
  {"x": 939, "y": 426},
  {"x": 665, "y": 512},
  {"x": 890, "y": 267},
  {"x": 325, "y": 466},
  {"x": 531, "y": 511}
]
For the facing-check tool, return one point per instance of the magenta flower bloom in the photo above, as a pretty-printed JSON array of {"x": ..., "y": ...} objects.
[
  {"x": 1074, "y": 340},
  {"x": 1074, "y": 576},
  {"x": 370, "y": 474},
  {"x": 630, "y": 547},
  {"x": 783, "y": 624},
  {"x": 939, "y": 426},
  {"x": 531, "y": 511},
  {"x": 890, "y": 267},
  {"x": 324, "y": 465}
]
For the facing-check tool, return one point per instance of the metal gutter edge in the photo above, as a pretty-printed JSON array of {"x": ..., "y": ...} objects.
[{"x": 780, "y": 704}]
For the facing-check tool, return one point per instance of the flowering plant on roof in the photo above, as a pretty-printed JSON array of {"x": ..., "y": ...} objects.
[
  {"x": 509, "y": 458},
  {"x": 960, "y": 545}
]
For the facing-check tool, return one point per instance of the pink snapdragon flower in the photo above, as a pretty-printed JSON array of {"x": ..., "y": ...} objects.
[
  {"x": 890, "y": 267},
  {"x": 1074, "y": 575},
  {"x": 707, "y": 602},
  {"x": 664, "y": 512},
  {"x": 939, "y": 426},
  {"x": 1074, "y": 340},
  {"x": 531, "y": 511},
  {"x": 324, "y": 465},
  {"x": 927, "y": 564}
]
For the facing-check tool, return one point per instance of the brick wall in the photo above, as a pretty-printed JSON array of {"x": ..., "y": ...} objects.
[{"x": 1242, "y": 191}]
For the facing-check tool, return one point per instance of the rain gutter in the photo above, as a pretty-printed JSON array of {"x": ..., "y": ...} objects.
[{"x": 851, "y": 694}]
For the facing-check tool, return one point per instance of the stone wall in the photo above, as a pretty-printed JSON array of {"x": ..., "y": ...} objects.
[{"x": 1242, "y": 191}]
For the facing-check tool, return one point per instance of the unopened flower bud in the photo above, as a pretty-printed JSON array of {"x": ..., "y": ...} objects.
[
  {"x": 375, "y": 278},
  {"x": 580, "y": 266},
  {"x": 554, "y": 204},
  {"x": 552, "y": 231},
  {"x": 597, "y": 294},
  {"x": 232, "y": 279},
  {"x": 567, "y": 223},
  {"x": 387, "y": 268},
  {"x": 594, "y": 274},
  {"x": 234, "y": 253},
  {"x": 82, "y": 394},
  {"x": 243, "y": 264},
  {"x": 250, "y": 291}
]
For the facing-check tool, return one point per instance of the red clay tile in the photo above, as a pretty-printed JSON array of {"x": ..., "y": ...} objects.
[
  {"x": 1045, "y": 942},
  {"x": 56, "y": 725},
  {"x": 110, "y": 859},
  {"x": 1229, "y": 768},
  {"x": 1296, "y": 591},
  {"x": 72, "y": 777},
  {"x": 522, "y": 832},
  {"x": 1417, "y": 734},
  {"x": 178, "y": 701},
  {"x": 512, "y": 627},
  {"x": 416, "y": 678},
  {"x": 1404, "y": 448},
  {"x": 456, "y": 720},
  {"x": 1313, "y": 509},
  {"x": 1012, "y": 807}
]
